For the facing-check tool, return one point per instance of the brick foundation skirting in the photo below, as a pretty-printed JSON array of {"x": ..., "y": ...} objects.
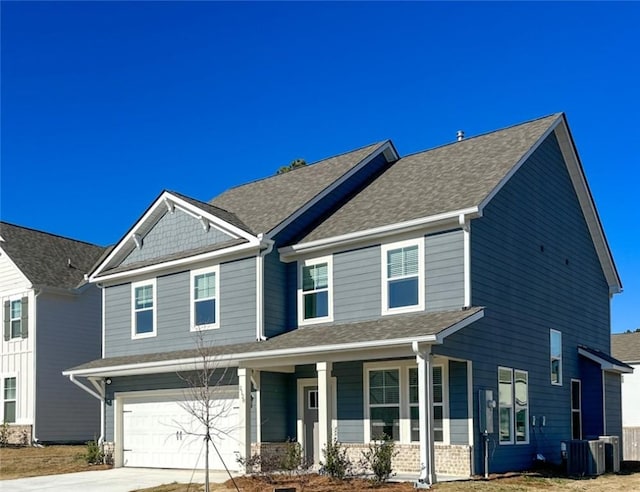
[
  {"x": 19, "y": 435},
  {"x": 450, "y": 459}
]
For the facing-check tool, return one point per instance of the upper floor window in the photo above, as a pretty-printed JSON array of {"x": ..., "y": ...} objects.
[
  {"x": 314, "y": 295},
  {"x": 403, "y": 276},
  {"x": 15, "y": 318},
  {"x": 9, "y": 400},
  {"x": 143, "y": 319},
  {"x": 513, "y": 405},
  {"x": 555, "y": 346},
  {"x": 205, "y": 307}
]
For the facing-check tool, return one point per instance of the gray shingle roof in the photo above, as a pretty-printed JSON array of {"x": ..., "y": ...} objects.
[
  {"x": 452, "y": 177},
  {"x": 216, "y": 211},
  {"x": 388, "y": 328},
  {"x": 626, "y": 346},
  {"x": 262, "y": 205},
  {"x": 43, "y": 257}
]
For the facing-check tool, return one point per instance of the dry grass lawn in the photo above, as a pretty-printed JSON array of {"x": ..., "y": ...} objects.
[
  {"x": 514, "y": 483},
  {"x": 50, "y": 460}
]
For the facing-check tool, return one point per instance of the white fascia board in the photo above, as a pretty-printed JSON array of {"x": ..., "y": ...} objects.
[
  {"x": 290, "y": 253},
  {"x": 581, "y": 186},
  {"x": 238, "y": 250},
  {"x": 184, "y": 206},
  {"x": 519, "y": 164},
  {"x": 458, "y": 326},
  {"x": 237, "y": 358},
  {"x": 605, "y": 365},
  {"x": 387, "y": 149}
]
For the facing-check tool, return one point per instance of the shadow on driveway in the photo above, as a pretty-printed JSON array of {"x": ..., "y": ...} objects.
[{"x": 114, "y": 480}]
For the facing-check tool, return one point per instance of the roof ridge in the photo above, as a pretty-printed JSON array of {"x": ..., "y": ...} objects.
[
  {"x": 466, "y": 139},
  {"x": 300, "y": 168},
  {"x": 60, "y": 236}
]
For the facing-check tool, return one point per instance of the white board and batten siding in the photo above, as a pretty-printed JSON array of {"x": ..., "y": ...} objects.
[
  {"x": 16, "y": 355},
  {"x": 158, "y": 431}
]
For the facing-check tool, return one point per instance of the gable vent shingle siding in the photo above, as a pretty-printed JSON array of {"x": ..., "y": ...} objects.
[
  {"x": 452, "y": 177},
  {"x": 262, "y": 205},
  {"x": 43, "y": 257}
]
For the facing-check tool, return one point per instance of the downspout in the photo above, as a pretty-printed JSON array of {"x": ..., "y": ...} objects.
[
  {"x": 466, "y": 231},
  {"x": 425, "y": 404},
  {"x": 37, "y": 292},
  {"x": 267, "y": 244}
]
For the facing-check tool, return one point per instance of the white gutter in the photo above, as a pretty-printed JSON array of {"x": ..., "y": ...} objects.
[
  {"x": 271, "y": 354},
  {"x": 260, "y": 336},
  {"x": 241, "y": 248},
  {"x": 288, "y": 253}
]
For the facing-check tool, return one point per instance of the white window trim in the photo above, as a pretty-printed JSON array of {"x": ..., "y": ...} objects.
[
  {"x": 403, "y": 367},
  {"x": 444, "y": 404},
  {"x": 385, "y": 310},
  {"x": 515, "y": 409},
  {"x": 4, "y": 376},
  {"x": 134, "y": 285},
  {"x": 193, "y": 327},
  {"x": 579, "y": 410},
  {"x": 512, "y": 408},
  {"x": 552, "y": 358},
  {"x": 310, "y": 262}
]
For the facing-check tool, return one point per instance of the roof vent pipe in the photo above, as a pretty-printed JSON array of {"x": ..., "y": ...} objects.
[{"x": 460, "y": 135}]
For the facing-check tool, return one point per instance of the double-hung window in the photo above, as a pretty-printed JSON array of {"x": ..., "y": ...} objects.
[
  {"x": 513, "y": 405},
  {"x": 403, "y": 276},
  {"x": 384, "y": 404},
  {"x": 576, "y": 409},
  {"x": 9, "y": 399},
  {"x": 438, "y": 404},
  {"x": 16, "y": 318},
  {"x": 315, "y": 299},
  {"x": 205, "y": 307},
  {"x": 143, "y": 316},
  {"x": 555, "y": 348}
]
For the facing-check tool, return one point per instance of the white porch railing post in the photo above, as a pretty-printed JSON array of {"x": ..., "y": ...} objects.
[
  {"x": 425, "y": 405},
  {"x": 324, "y": 404},
  {"x": 244, "y": 417}
]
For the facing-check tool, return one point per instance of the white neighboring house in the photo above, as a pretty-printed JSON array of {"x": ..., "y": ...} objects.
[
  {"x": 51, "y": 318},
  {"x": 626, "y": 347}
]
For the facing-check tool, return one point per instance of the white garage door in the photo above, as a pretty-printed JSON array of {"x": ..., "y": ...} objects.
[{"x": 159, "y": 432}]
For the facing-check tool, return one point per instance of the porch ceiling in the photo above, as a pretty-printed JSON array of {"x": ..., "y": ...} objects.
[{"x": 383, "y": 333}]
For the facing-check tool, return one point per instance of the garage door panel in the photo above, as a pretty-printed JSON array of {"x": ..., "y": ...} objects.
[{"x": 161, "y": 433}]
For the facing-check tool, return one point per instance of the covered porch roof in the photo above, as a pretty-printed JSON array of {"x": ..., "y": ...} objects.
[{"x": 344, "y": 341}]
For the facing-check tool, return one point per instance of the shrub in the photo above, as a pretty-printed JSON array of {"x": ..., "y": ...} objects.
[
  {"x": 336, "y": 462},
  {"x": 378, "y": 459},
  {"x": 94, "y": 454},
  {"x": 293, "y": 459},
  {"x": 4, "y": 434}
]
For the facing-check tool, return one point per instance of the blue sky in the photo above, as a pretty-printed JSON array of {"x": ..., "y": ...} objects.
[{"x": 106, "y": 104}]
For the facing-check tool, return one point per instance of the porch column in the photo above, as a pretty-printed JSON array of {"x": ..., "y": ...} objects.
[
  {"x": 244, "y": 414},
  {"x": 324, "y": 404},
  {"x": 425, "y": 405}
]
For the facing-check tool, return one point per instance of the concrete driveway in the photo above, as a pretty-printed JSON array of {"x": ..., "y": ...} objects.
[{"x": 114, "y": 480}]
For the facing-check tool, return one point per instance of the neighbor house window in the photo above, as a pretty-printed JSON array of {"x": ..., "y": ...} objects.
[
  {"x": 9, "y": 397},
  {"x": 315, "y": 296},
  {"x": 144, "y": 309},
  {"x": 555, "y": 345},
  {"x": 403, "y": 276},
  {"x": 438, "y": 404},
  {"x": 204, "y": 298},
  {"x": 513, "y": 406},
  {"x": 576, "y": 409},
  {"x": 16, "y": 318},
  {"x": 384, "y": 404}
]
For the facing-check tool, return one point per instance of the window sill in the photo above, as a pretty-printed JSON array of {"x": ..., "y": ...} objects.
[
  {"x": 143, "y": 335},
  {"x": 198, "y": 328}
]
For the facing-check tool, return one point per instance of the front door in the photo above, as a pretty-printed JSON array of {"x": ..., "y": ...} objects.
[{"x": 310, "y": 423}]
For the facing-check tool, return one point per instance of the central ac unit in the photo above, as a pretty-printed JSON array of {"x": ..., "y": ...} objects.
[
  {"x": 611, "y": 453},
  {"x": 596, "y": 463}
]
